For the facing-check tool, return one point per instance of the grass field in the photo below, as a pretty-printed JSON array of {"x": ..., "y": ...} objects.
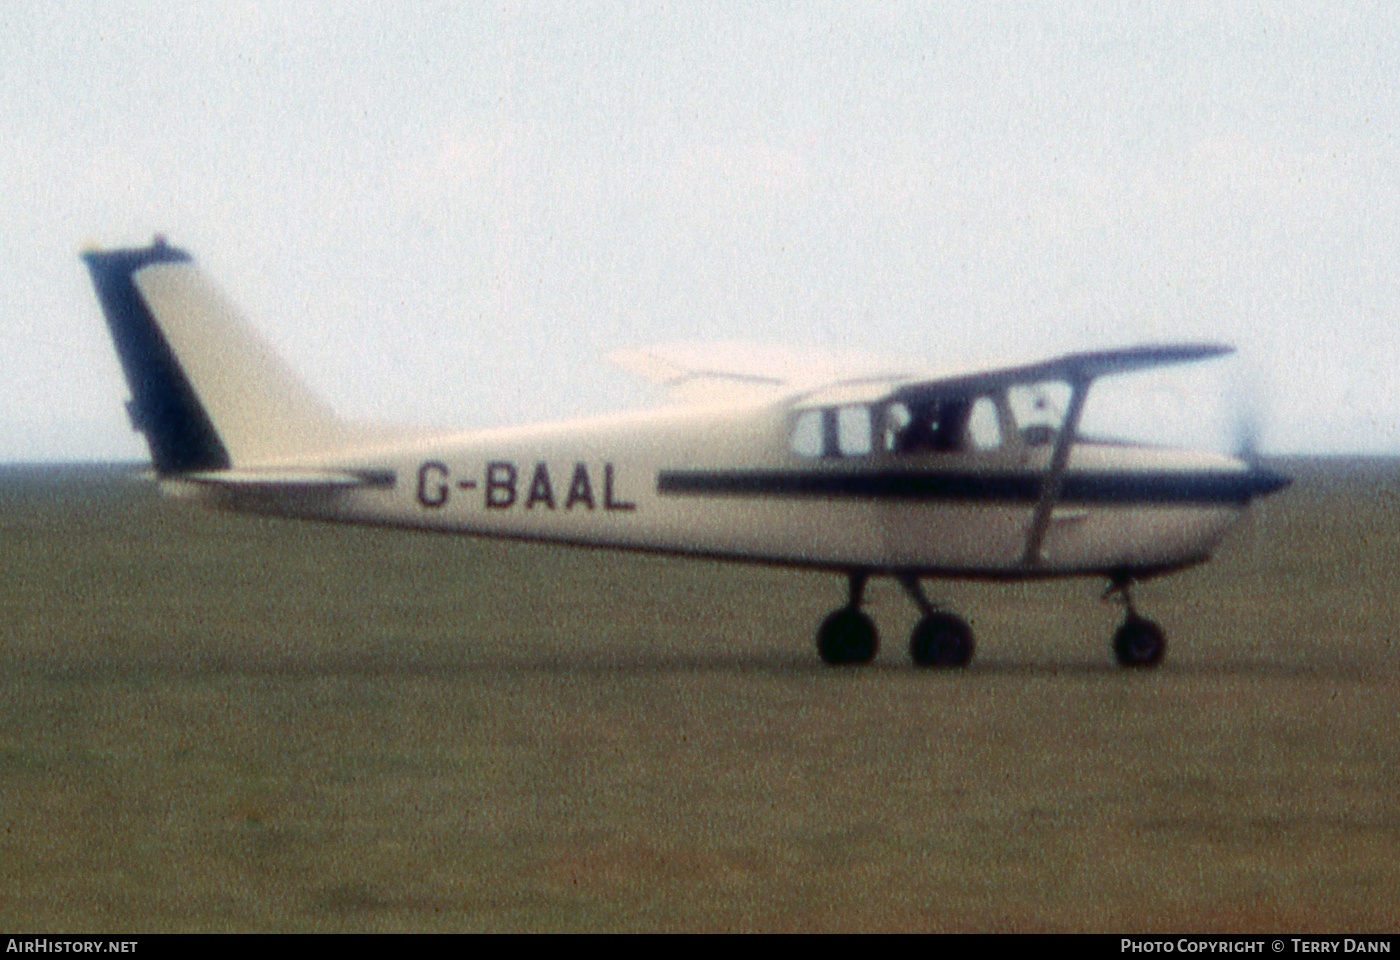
[{"x": 211, "y": 722}]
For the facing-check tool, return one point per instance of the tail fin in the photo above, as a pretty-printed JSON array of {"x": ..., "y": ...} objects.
[{"x": 207, "y": 392}]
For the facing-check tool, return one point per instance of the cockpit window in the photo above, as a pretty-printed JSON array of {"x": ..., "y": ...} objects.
[
  {"x": 944, "y": 426},
  {"x": 853, "y": 434},
  {"x": 937, "y": 427},
  {"x": 806, "y": 439},
  {"x": 948, "y": 425},
  {"x": 984, "y": 425},
  {"x": 1039, "y": 409},
  {"x": 833, "y": 432}
]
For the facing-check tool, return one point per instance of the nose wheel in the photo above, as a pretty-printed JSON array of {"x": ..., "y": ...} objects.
[{"x": 1139, "y": 642}]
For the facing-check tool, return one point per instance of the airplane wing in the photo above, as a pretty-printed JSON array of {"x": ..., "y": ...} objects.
[
  {"x": 735, "y": 370},
  {"x": 1073, "y": 368}
]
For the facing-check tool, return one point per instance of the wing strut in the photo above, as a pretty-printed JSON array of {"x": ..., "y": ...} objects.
[{"x": 1055, "y": 476}]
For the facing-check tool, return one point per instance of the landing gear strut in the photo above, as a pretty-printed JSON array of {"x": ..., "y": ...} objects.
[
  {"x": 1138, "y": 642},
  {"x": 943, "y": 640},
  {"x": 847, "y": 637},
  {"x": 940, "y": 639}
]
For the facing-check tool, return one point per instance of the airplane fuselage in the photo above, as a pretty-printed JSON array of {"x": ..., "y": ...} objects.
[{"x": 739, "y": 492}]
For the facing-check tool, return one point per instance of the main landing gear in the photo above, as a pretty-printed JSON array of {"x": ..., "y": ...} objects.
[
  {"x": 940, "y": 639},
  {"x": 1138, "y": 642},
  {"x": 847, "y": 637}
]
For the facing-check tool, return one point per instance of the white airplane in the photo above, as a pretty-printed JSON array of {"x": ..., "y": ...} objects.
[{"x": 866, "y": 471}]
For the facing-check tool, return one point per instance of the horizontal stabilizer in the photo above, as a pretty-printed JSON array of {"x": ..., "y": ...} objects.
[{"x": 291, "y": 480}]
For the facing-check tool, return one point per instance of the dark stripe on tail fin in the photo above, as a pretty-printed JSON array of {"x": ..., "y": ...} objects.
[{"x": 164, "y": 406}]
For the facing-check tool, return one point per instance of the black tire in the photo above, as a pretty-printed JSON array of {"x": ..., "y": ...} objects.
[
  {"x": 1139, "y": 643},
  {"x": 941, "y": 640},
  {"x": 847, "y": 638}
]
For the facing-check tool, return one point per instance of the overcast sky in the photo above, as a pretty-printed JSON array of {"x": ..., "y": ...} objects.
[{"x": 451, "y": 214}]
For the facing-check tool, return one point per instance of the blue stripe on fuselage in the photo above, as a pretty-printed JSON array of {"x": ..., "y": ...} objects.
[{"x": 1099, "y": 488}]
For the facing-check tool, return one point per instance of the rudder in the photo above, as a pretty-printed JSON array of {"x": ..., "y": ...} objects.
[{"x": 207, "y": 392}]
